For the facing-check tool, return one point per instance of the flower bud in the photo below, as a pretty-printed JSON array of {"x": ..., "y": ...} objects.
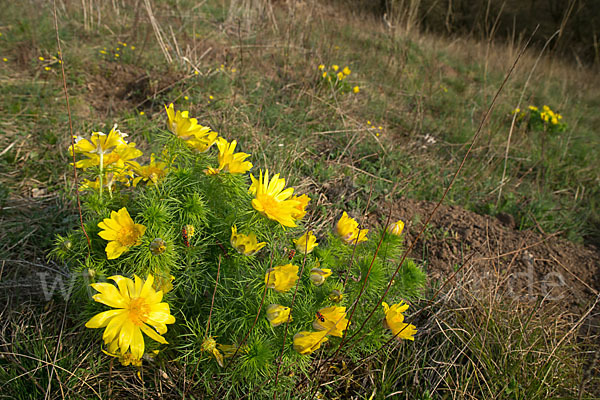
[
  {"x": 336, "y": 296},
  {"x": 318, "y": 275},
  {"x": 306, "y": 243},
  {"x": 396, "y": 228},
  {"x": 67, "y": 245},
  {"x": 277, "y": 314},
  {"x": 158, "y": 246}
]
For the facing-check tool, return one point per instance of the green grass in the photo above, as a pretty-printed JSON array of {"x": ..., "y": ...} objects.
[{"x": 411, "y": 85}]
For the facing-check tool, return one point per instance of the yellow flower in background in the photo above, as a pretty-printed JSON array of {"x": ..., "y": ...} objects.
[
  {"x": 163, "y": 283},
  {"x": 210, "y": 344},
  {"x": 278, "y": 314},
  {"x": 300, "y": 211},
  {"x": 282, "y": 278},
  {"x": 245, "y": 244},
  {"x": 356, "y": 89},
  {"x": 318, "y": 275},
  {"x": 332, "y": 320},
  {"x": 137, "y": 308},
  {"x": 335, "y": 67},
  {"x": 197, "y": 136},
  {"x": 394, "y": 320},
  {"x": 533, "y": 108},
  {"x": 306, "y": 243},
  {"x": 347, "y": 229},
  {"x": 324, "y": 74},
  {"x": 121, "y": 232},
  {"x": 306, "y": 342},
  {"x": 346, "y": 71},
  {"x": 232, "y": 162},
  {"x": 110, "y": 179},
  {"x": 321, "y": 67},
  {"x": 396, "y": 228},
  {"x": 272, "y": 200},
  {"x": 340, "y": 76},
  {"x": 153, "y": 172}
]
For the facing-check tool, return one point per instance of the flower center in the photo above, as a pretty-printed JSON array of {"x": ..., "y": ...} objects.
[
  {"x": 270, "y": 205},
  {"x": 127, "y": 236},
  {"x": 138, "y": 310}
]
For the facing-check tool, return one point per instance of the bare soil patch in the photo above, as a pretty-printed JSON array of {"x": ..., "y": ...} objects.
[{"x": 527, "y": 264}]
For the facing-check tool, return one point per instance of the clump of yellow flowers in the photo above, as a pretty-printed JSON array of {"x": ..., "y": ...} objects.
[
  {"x": 336, "y": 78},
  {"x": 545, "y": 120},
  {"x": 201, "y": 259}
]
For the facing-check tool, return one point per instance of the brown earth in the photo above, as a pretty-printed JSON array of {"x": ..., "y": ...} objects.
[{"x": 491, "y": 254}]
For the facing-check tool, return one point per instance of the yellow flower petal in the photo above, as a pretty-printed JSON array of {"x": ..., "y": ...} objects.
[
  {"x": 153, "y": 335},
  {"x": 102, "y": 319}
]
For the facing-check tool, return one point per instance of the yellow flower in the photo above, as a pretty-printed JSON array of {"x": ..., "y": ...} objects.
[
  {"x": 245, "y": 244},
  {"x": 321, "y": 67},
  {"x": 300, "y": 211},
  {"x": 396, "y": 228},
  {"x": 277, "y": 314},
  {"x": 340, "y": 76},
  {"x": 101, "y": 143},
  {"x": 347, "y": 229},
  {"x": 210, "y": 344},
  {"x": 356, "y": 89},
  {"x": 164, "y": 283},
  {"x": 394, "y": 320},
  {"x": 533, "y": 108},
  {"x": 137, "y": 308},
  {"x": 197, "y": 136},
  {"x": 126, "y": 359},
  {"x": 332, "y": 320},
  {"x": 282, "y": 278},
  {"x": 306, "y": 243},
  {"x": 324, "y": 74},
  {"x": 335, "y": 67},
  {"x": 121, "y": 232},
  {"x": 229, "y": 161},
  {"x": 121, "y": 156},
  {"x": 153, "y": 172},
  {"x": 346, "y": 71},
  {"x": 306, "y": 342},
  {"x": 273, "y": 201},
  {"x": 318, "y": 275}
]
